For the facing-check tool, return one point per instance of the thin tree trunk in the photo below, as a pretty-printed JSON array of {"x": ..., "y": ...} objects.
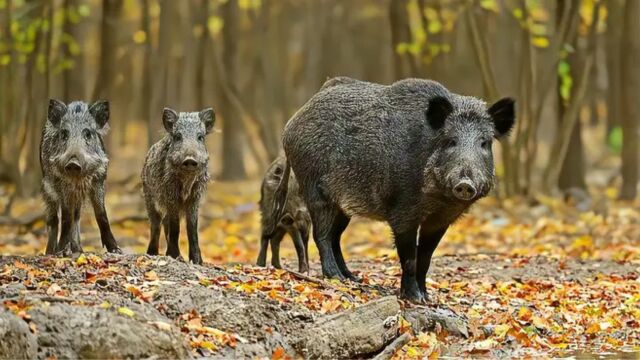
[
  {"x": 233, "y": 167},
  {"x": 570, "y": 117},
  {"x": 399, "y": 34},
  {"x": 73, "y": 79},
  {"x": 145, "y": 99},
  {"x": 103, "y": 88},
  {"x": 201, "y": 54},
  {"x": 572, "y": 172},
  {"x": 631, "y": 106},
  {"x": 613, "y": 54}
]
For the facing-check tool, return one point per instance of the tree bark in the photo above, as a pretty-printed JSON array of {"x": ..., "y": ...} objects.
[
  {"x": 73, "y": 79},
  {"x": 613, "y": 55},
  {"x": 631, "y": 106},
  {"x": 572, "y": 173},
  {"x": 145, "y": 99},
  {"x": 560, "y": 145},
  {"x": 402, "y": 65},
  {"x": 233, "y": 167}
]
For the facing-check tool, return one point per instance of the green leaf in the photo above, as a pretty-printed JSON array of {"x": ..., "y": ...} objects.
[
  {"x": 434, "y": 27},
  {"x": 5, "y": 60},
  {"x": 84, "y": 10},
  {"x": 563, "y": 68},
  {"x": 518, "y": 13},
  {"x": 615, "y": 140},
  {"x": 402, "y": 48}
]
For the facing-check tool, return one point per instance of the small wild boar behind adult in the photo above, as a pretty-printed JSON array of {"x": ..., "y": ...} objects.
[
  {"x": 411, "y": 153},
  {"x": 294, "y": 219},
  {"x": 175, "y": 177},
  {"x": 74, "y": 166}
]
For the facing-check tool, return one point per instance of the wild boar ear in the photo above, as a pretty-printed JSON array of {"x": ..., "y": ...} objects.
[
  {"x": 438, "y": 111},
  {"x": 100, "y": 112},
  {"x": 503, "y": 115},
  {"x": 208, "y": 117},
  {"x": 56, "y": 111},
  {"x": 169, "y": 118}
]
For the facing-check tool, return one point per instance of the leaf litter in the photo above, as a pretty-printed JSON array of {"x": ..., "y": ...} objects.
[{"x": 533, "y": 279}]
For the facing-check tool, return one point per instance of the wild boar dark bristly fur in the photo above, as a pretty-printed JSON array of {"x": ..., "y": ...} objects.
[
  {"x": 411, "y": 153},
  {"x": 294, "y": 220},
  {"x": 175, "y": 177},
  {"x": 74, "y": 166}
]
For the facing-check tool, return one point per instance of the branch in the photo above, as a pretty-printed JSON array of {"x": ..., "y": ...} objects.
[{"x": 396, "y": 345}]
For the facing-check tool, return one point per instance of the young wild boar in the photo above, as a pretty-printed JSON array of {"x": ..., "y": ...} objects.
[
  {"x": 175, "y": 177},
  {"x": 294, "y": 220},
  {"x": 411, "y": 153},
  {"x": 74, "y": 166}
]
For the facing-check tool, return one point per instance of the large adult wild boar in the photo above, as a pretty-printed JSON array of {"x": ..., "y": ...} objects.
[{"x": 411, "y": 153}]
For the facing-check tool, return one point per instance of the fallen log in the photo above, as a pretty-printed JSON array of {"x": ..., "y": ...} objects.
[
  {"x": 363, "y": 330},
  {"x": 396, "y": 345}
]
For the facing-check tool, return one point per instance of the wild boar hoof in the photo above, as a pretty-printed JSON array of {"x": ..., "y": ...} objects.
[
  {"x": 414, "y": 295},
  {"x": 115, "y": 250}
]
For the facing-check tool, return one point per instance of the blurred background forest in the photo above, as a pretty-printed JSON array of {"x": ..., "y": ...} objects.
[{"x": 571, "y": 65}]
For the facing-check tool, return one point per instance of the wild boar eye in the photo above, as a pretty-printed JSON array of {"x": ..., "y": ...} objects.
[
  {"x": 177, "y": 137},
  {"x": 486, "y": 144},
  {"x": 201, "y": 138},
  {"x": 450, "y": 143},
  {"x": 87, "y": 134},
  {"x": 64, "y": 134}
]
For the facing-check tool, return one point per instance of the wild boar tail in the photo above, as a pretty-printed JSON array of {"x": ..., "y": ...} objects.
[{"x": 280, "y": 196}]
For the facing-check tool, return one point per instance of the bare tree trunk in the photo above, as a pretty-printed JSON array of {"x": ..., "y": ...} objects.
[
  {"x": 572, "y": 173},
  {"x": 201, "y": 18},
  {"x": 400, "y": 33},
  {"x": 73, "y": 79},
  {"x": 233, "y": 167},
  {"x": 108, "y": 41},
  {"x": 36, "y": 93},
  {"x": 560, "y": 146},
  {"x": 107, "y": 63},
  {"x": 145, "y": 106},
  {"x": 613, "y": 54},
  {"x": 631, "y": 106}
]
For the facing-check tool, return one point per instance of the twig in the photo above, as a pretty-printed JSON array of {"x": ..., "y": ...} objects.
[
  {"x": 312, "y": 279},
  {"x": 40, "y": 298},
  {"x": 396, "y": 345}
]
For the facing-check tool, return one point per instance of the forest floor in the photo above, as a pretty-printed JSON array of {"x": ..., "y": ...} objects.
[{"x": 543, "y": 278}]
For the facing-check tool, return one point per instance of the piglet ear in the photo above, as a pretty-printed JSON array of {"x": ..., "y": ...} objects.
[
  {"x": 208, "y": 117},
  {"x": 438, "y": 111},
  {"x": 100, "y": 112},
  {"x": 503, "y": 114},
  {"x": 56, "y": 111},
  {"x": 169, "y": 118}
]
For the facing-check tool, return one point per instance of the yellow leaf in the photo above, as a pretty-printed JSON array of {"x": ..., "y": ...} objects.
[
  {"x": 539, "y": 41},
  {"x": 208, "y": 345},
  {"x": 215, "y": 24},
  {"x": 81, "y": 260},
  {"x": 412, "y": 352},
  {"x": 126, "y": 311},
  {"x": 501, "y": 330},
  {"x": 139, "y": 37},
  {"x": 584, "y": 241}
]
